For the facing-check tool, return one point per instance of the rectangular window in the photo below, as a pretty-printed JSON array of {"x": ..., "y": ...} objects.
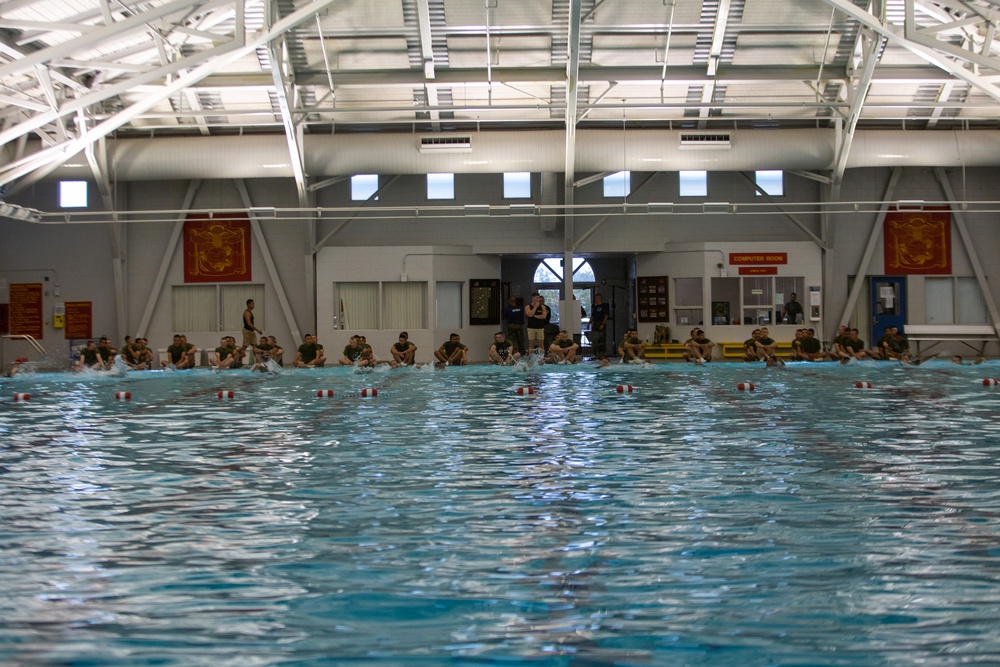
[
  {"x": 363, "y": 186},
  {"x": 517, "y": 185},
  {"x": 358, "y": 305},
  {"x": 771, "y": 182},
  {"x": 784, "y": 288},
  {"x": 688, "y": 302},
  {"x": 725, "y": 300},
  {"x": 693, "y": 183},
  {"x": 404, "y": 305},
  {"x": 440, "y": 186},
  {"x": 73, "y": 194},
  {"x": 618, "y": 184}
]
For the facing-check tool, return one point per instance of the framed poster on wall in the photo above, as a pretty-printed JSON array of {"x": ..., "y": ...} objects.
[
  {"x": 651, "y": 299},
  {"x": 484, "y": 301}
]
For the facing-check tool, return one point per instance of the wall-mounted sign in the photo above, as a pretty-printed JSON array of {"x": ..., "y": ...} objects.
[
  {"x": 26, "y": 310},
  {"x": 737, "y": 258},
  {"x": 758, "y": 270},
  {"x": 79, "y": 319}
]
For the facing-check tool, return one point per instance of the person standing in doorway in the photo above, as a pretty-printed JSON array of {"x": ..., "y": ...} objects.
[
  {"x": 599, "y": 314},
  {"x": 513, "y": 315},
  {"x": 537, "y": 314}
]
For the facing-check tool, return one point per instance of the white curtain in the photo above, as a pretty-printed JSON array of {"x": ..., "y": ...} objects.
[
  {"x": 232, "y": 303},
  {"x": 358, "y": 303},
  {"x": 195, "y": 308},
  {"x": 404, "y": 305}
]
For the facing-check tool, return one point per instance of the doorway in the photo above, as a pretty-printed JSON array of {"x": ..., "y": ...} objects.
[{"x": 888, "y": 300}]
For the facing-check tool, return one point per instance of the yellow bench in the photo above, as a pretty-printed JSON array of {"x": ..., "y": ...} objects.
[
  {"x": 735, "y": 350},
  {"x": 665, "y": 351}
]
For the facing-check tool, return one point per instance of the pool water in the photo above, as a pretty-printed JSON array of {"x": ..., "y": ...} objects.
[{"x": 451, "y": 521}]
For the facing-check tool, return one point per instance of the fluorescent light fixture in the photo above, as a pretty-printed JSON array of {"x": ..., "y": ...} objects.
[
  {"x": 659, "y": 207},
  {"x": 716, "y": 207},
  {"x": 477, "y": 210},
  {"x": 910, "y": 205}
]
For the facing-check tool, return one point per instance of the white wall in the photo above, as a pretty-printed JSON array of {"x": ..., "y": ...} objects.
[
  {"x": 428, "y": 264},
  {"x": 78, "y": 256},
  {"x": 702, "y": 260}
]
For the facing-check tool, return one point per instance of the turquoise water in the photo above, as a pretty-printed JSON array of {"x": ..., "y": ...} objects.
[{"x": 449, "y": 521}]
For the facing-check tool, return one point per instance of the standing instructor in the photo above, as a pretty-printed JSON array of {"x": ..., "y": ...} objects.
[{"x": 250, "y": 329}]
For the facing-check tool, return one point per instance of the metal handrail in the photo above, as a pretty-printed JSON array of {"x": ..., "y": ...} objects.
[{"x": 31, "y": 340}]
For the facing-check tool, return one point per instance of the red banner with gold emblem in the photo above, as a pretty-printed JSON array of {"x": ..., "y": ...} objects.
[
  {"x": 217, "y": 249},
  {"x": 917, "y": 242}
]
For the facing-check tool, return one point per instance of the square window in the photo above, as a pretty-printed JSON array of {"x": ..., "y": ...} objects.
[
  {"x": 517, "y": 185},
  {"x": 440, "y": 186},
  {"x": 73, "y": 194},
  {"x": 693, "y": 183},
  {"x": 363, "y": 186},
  {"x": 618, "y": 184},
  {"x": 772, "y": 182}
]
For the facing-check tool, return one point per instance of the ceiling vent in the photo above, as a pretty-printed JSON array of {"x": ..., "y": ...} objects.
[
  {"x": 720, "y": 140},
  {"x": 445, "y": 144}
]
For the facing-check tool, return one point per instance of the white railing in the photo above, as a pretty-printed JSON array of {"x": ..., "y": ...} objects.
[{"x": 30, "y": 340}]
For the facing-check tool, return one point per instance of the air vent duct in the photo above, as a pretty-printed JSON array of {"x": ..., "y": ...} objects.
[
  {"x": 445, "y": 144},
  {"x": 705, "y": 140}
]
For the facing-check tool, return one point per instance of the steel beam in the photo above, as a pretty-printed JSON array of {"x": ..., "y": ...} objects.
[
  {"x": 136, "y": 23},
  {"x": 272, "y": 269},
  {"x": 895, "y": 35},
  {"x": 167, "y": 258},
  {"x": 572, "y": 91},
  {"x": 285, "y": 93},
  {"x": 230, "y": 53},
  {"x": 970, "y": 248},
  {"x": 857, "y": 94},
  {"x": 873, "y": 236}
]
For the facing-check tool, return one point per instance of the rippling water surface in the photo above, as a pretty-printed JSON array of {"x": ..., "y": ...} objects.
[{"x": 450, "y": 521}]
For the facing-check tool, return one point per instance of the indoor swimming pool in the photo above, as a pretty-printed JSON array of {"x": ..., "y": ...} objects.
[{"x": 451, "y": 520}]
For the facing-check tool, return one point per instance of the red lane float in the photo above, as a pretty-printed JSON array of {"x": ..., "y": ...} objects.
[
  {"x": 525, "y": 391},
  {"x": 227, "y": 393},
  {"x": 123, "y": 396},
  {"x": 22, "y": 397},
  {"x": 745, "y": 386},
  {"x": 863, "y": 385},
  {"x": 369, "y": 393},
  {"x": 324, "y": 393},
  {"x": 625, "y": 389},
  {"x": 990, "y": 382}
]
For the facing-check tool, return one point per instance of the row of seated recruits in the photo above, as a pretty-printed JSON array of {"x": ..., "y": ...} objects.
[
  {"x": 453, "y": 352},
  {"x": 806, "y": 347},
  {"x": 136, "y": 354},
  {"x": 846, "y": 346}
]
